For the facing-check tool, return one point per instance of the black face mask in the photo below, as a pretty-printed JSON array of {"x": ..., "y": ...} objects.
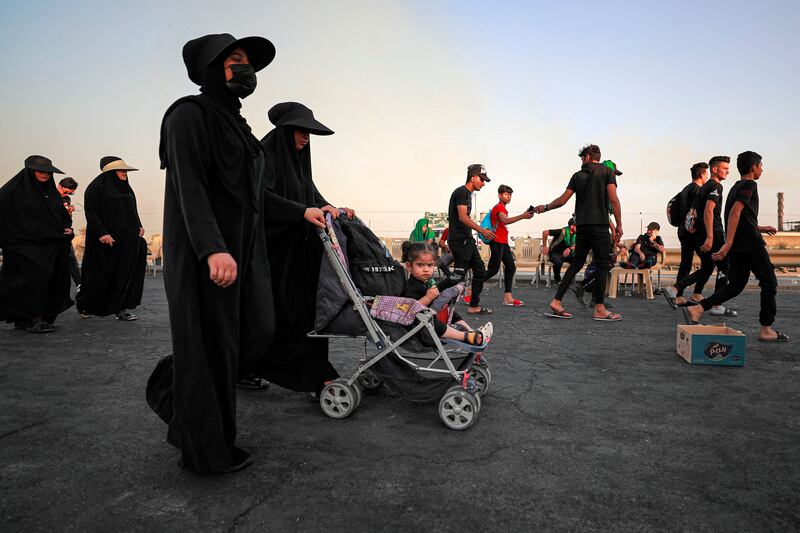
[{"x": 243, "y": 82}]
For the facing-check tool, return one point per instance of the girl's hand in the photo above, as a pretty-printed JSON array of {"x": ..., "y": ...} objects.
[{"x": 432, "y": 293}]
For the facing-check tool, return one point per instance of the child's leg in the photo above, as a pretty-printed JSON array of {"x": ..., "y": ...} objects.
[
  {"x": 470, "y": 337},
  {"x": 463, "y": 326}
]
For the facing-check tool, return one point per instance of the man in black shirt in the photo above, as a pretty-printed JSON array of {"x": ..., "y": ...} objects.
[
  {"x": 462, "y": 244},
  {"x": 645, "y": 250},
  {"x": 708, "y": 237},
  {"x": 595, "y": 189},
  {"x": 562, "y": 247},
  {"x": 746, "y": 249},
  {"x": 687, "y": 196}
]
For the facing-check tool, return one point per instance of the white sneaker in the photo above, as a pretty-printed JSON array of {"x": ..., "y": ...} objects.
[{"x": 723, "y": 311}]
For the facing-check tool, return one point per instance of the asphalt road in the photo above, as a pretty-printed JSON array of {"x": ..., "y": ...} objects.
[{"x": 587, "y": 426}]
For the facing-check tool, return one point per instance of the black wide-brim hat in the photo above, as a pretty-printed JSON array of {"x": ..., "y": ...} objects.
[
  {"x": 299, "y": 116},
  {"x": 41, "y": 163},
  {"x": 201, "y": 52}
]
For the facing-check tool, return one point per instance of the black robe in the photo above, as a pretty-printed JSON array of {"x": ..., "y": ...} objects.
[
  {"x": 112, "y": 277},
  {"x": 34, "y": 278},
  {"x": 214, "y": 202},
  {"x": 293, "y": 360}
]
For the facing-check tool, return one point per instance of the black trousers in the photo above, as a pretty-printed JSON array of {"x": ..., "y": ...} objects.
[
  {"x": 466, "y": 257},
  {"x": 444, "y": 263},
  {"x": 687, "y": 256},
  {"x": 501, "y": 252},
  {"x": 596, "y": 238},
  {"x": 74, "y": 269},
  {"x": 741, "y": 265},
  {"x": 558, "y": 259},
  {"x": 701, "y": 276}
]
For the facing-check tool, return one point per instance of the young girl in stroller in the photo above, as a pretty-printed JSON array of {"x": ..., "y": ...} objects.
[{"x": 420, "y": 260}]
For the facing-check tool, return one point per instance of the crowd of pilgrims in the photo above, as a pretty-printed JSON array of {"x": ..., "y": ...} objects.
[
  {"x": 241, "y": 253},
  {"x": 240, "y": 247}
]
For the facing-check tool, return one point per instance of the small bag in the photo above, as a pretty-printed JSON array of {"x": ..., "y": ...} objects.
[
  {"x": 396, "y": 309},
  {"x": 487, "y": 224},
  {"x": 690, "y": 223}
]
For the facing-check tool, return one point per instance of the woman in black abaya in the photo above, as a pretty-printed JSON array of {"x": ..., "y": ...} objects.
[
  {"x": 35, "y": 234},
  {"x": 115, "y": 259},
  {"x": 295, "y": 250},
  {"x": 216, "y": 270}
]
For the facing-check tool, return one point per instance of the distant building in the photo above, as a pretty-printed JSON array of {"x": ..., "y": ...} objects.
[{"x": 437, "y": 222}]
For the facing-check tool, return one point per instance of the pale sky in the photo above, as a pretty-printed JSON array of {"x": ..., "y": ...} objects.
[{"x": 416, "y": 91}]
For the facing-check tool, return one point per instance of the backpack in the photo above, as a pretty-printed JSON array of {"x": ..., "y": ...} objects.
[
  {"x": 674, "y": 211},
  {"x": 487, "y": 224},
  {"x": 372, "y": 267}
]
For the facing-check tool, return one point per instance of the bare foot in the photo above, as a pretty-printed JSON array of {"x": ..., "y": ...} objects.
[
  {"x": 695, "y": 312},
  {"x": 558, "y": 309}
]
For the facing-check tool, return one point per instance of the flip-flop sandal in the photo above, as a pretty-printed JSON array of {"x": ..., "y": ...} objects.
[
  {"x": 473, "y": 338},
  {"x": 780, "y": 338},
  {"x": 688, "y": 318},
  {"x": 516, "y": 303},
  {"x": 608, "y": 318},
  {"x": 559, "y": 314},
  {"x": 483, "y": 311},
  {"x": 670, "y": 300}
]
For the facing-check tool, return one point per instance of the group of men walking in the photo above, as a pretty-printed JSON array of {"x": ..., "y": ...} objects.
[
  {"x": 595, "y": 188},
  {"x": 736, "y": 254},
  {"x": 597, "y": 226}
]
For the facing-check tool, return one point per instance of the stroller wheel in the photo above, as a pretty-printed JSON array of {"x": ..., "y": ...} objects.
[
  {"x": 369, "y": 381},
  {"x": 458, "y": 409},
  {"x": 338, "y": 399},
  {"x": 482, "y": 377}
]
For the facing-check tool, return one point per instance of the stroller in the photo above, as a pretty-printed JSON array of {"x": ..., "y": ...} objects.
[{"x": 455, "y": 373}]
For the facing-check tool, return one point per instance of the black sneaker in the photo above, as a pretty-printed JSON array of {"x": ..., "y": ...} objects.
[
  {"x": 41, "y": 327},
  {"x": 252, "y": 383},
  {"x": 127, "y": 317}
]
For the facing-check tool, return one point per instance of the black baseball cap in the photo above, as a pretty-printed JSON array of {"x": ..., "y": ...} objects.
[{"x": 477, "y": 169}]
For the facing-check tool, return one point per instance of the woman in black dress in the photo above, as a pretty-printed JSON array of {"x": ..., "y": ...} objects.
[
  {"x": 293, "y": 360},
  {"x": 115, "y": 259},
  {"x": 216, "y": 270}
]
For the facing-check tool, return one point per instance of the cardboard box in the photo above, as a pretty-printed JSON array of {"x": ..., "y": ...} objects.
[{"x": 711, "y": 345}]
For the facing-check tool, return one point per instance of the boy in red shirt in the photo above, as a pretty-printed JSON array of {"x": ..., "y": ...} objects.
[{"x": 501, "y": 252}]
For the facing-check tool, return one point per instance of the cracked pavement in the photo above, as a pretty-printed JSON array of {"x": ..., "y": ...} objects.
[{"x": 587, "y": 426}]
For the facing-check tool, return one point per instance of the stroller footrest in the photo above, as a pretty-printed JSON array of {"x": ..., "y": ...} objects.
[{"x": 465, "y": 346}]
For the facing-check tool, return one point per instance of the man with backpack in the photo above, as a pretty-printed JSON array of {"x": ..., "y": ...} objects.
[
  {"x": 676, "y": 213},
  {"x": 747, "y": 250},
  {"x": 501, "y": 251},
  {"x": 462, "y": 244},
  {"x": 704, "y": 222}
]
